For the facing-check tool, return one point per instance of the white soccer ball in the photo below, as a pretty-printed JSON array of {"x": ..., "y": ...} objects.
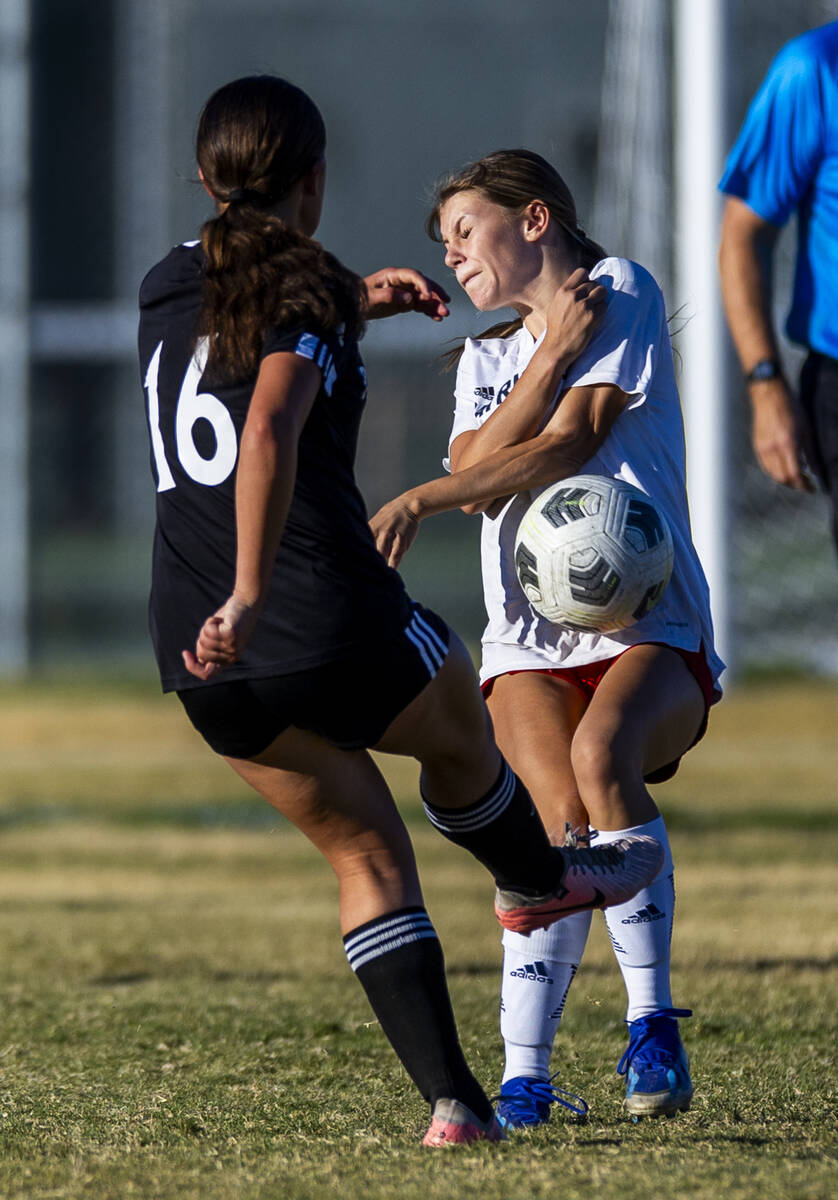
[{"x": 593, "y": 553}]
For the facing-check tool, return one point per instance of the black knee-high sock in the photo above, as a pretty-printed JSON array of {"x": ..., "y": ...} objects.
[
  {"x": 399, "y": 963},
  {"x": 504, "y": 832}
]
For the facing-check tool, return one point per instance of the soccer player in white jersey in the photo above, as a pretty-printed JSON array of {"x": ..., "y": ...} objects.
[{"x": 587, "y": 720}]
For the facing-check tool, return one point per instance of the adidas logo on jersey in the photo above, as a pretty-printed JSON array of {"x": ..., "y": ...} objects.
[
  {"x": 535, "y": 972},
  {"x": 645, "y": 916},
  {"x": 487, "y": 397}
]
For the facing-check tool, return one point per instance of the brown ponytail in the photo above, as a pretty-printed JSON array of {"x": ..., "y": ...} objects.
[{"x": 257, "y": 137}]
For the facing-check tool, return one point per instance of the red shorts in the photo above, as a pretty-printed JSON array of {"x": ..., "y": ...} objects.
[{"x": 588, "y": 678}]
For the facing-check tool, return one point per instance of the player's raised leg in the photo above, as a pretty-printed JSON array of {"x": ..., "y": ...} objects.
[{"x": 473, "y": 798}]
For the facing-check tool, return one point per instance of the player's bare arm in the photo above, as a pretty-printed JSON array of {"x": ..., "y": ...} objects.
[
  {"x": 394, "y": 290},
  {"x": 282, "y": 399},
  {"x": 573, "y": 434},
  {"x": 745, "y": 264},
  {"x": 572, "y": 317},
  {"x": 571, "y": 437}
]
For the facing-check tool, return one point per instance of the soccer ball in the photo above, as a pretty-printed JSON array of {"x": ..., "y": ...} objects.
[{"x": 593, "y": 554}]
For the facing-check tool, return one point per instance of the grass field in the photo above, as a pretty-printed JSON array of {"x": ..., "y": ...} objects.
[{"x": 179, "y": 1020}]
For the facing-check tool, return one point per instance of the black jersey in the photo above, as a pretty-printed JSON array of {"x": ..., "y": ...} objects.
[{"x": 330, "y": 589}]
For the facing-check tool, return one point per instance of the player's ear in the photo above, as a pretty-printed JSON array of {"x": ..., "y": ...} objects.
[
  {"x": 315, "y": 180},
  {"x": 536, "y": 220},
  {"x": 204, "y": 184}
]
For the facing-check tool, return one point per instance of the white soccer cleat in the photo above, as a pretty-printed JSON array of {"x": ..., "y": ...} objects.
[
  {"x": 592, "y": 877},
  {"x": 454, "y": 1124}
]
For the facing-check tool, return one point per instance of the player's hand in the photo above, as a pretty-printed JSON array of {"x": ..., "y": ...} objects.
[
  {"x": 774, "y": 435},
  {"x": 394, "y": 528},
  {"x": 400, "y": 290},
  {"x": 574, "y": 313},
  {"x": 222, "y": 638}
]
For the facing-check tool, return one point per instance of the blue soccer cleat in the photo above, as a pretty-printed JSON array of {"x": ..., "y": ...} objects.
[
  {"x": 656, "y": 1066},
  {"x": 524, "y": 1102}
]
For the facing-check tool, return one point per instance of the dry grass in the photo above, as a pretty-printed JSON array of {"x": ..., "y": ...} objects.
[{"x": 179, "y": 1020}]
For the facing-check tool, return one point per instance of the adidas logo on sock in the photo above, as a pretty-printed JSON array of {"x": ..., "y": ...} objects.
[
  {"x": 536, "y": 972},
  {"x": 644, "y": 916}
]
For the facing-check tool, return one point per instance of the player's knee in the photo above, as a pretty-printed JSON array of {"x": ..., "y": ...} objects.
[
  {"x": 459, "y": 722},
  {"x": 459, "y": 766},
  {"x": 599, "y": 758},
  {"x": 451, "y": 760}
]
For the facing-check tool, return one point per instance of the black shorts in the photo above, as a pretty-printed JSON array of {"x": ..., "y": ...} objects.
[
  {"x": 349, "y": 702},
  {"x": 816, "y": 412}
]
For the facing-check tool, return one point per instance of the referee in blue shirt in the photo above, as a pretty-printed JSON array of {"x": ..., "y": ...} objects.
[{"x": 785, "y": 161}]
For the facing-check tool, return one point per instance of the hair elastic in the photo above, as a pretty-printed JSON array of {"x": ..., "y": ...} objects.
[{"x": 248, "y": 196}]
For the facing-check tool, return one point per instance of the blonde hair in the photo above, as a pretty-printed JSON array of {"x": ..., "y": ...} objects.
[{"x": 513, "y": 179}]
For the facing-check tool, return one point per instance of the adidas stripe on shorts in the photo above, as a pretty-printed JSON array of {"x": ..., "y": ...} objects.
[{"x": 349, "y": 702}]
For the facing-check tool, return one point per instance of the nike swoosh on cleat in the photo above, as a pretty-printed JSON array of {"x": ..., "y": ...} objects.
[{"x": 598, "y": 901}]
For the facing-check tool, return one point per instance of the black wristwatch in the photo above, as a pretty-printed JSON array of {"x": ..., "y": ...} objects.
[{"x": 766, "y": 368}]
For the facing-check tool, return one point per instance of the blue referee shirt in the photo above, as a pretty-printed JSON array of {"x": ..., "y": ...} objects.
[{"x": 785, "y": 160}]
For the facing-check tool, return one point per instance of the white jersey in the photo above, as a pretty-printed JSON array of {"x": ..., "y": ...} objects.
[{"x": 645, "y": 446}]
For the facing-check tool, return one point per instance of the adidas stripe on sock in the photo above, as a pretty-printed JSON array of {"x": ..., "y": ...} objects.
[
  {"x": 386, "y": 934},
  {"x": 504, "y": 832},
  {"x": 398, "y": 961},
  {"x": 538, "y": 969},
  {"x": 641, "y": 931}
]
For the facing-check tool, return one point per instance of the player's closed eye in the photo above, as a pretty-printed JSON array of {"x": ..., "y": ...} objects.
[{"x": 459, "y": 236}]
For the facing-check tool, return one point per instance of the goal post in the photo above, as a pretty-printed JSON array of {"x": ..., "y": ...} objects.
[
  {"x": 14, "y": 334},
  {"x": 699, "y": 90}
]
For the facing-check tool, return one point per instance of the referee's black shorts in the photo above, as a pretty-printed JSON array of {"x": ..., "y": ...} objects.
[
  {"x": 349, "y": 702},
  {"x": 817, "y": 423}
]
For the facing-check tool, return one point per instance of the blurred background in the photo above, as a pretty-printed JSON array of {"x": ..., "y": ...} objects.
[{"x": 98, "y": 104}]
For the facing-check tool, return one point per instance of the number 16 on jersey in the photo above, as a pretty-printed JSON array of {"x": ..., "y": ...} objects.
[{"x": 192, "y": 406}]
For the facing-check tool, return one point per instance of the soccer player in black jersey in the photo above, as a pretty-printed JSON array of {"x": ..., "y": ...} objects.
[{"x": 292, "y": 645}]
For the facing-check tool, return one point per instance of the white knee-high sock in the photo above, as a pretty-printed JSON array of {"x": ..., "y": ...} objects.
[
  {"x": 641, "y": 930},
  {"x": 538, "y": 970}
]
